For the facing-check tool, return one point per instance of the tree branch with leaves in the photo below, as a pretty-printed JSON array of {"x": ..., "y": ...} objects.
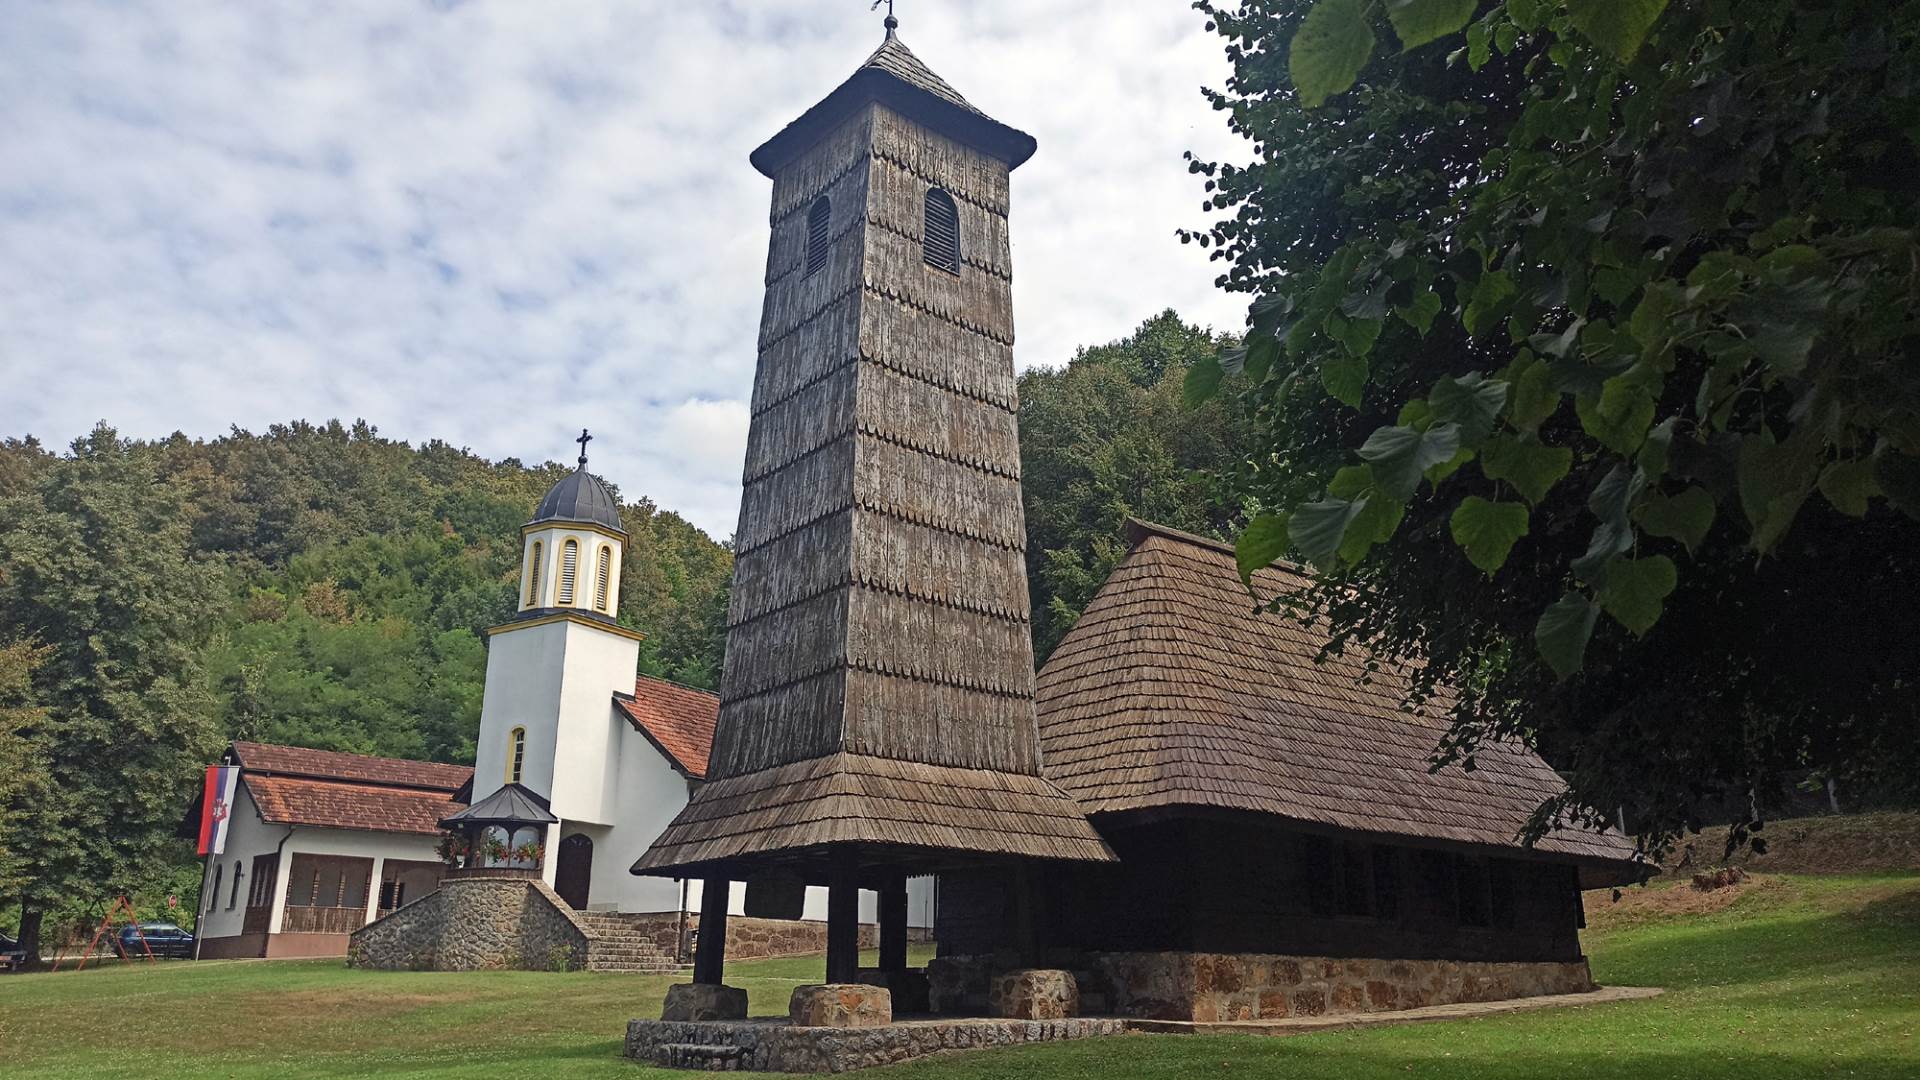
[{"x": 1606, "y": 304}]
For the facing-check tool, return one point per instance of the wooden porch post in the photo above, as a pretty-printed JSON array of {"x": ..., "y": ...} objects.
[
  {"x": 893, "y": 924},
  {"x": 843, "y": 918},
  {"x": 710, "y": 956}
]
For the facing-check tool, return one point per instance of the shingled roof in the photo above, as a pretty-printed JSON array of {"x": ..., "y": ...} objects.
[
  {"x": 677, "y": 719},
  {"x": 1172, "y": 691},
  {"x": 895, "y": 77},
  {"x": 861, "y": 799},
  {"x": 328, "y": 789}
]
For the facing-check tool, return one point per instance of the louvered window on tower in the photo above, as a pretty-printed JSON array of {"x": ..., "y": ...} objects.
[
  {"x": 533, "y": 575},
  {"x": 602, "y": 575},
  {"x": 819, "y": 220},
  {"x": 569, "y": 569},
  {"x": 942, "y": 243}
]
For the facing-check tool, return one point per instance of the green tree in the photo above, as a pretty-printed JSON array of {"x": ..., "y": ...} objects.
[
  {"x": 1587, "y": 330},
  {"x": 1105, "y": 438},
  {"x": 98, "y": 567},
  {"x": 20, "y": 764}
]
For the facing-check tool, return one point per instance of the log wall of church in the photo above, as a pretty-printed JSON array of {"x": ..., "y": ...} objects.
[{"x": 1206, "y": 886}]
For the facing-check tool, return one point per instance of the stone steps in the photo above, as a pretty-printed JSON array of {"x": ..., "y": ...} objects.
[{"x": 615, "y": 943}]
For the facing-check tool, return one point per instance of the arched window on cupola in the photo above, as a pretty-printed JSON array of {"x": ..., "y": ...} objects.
[
  {"x": 516, "y": 753},
  {"x": 941, "y": 240},
  {"x": 819, "y": 222},
  {"x": 602, "y": 578},
  {"x": 533, "y": 574},
  {"x": 569, "y": 570}
]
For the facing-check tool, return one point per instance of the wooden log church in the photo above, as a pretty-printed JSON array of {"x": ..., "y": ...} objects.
[{"x": 1200, "y": 821}]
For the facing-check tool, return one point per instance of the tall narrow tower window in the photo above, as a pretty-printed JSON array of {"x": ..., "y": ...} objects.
[
  {"x": 942, "y": 240},
  {"x": 819, "y": 220},
  {"x": 569, "y": 570},
  {"x": 534, "y": 561},
  {"x": 516, "y": 753},
  {"x": 602, "y": 573}
]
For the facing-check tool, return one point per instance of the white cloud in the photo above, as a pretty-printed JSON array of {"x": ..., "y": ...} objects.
[{"x": 495, "y": 223}]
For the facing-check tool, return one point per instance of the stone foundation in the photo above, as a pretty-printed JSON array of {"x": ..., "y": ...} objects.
[
  {"x": 840, "y": 1005},
  {"x": 472, "y": 924},
  {"x": 1213, "y": 987},
  {"x": 702, "y": 1001},
  {"x": 777, "y": 1046}
]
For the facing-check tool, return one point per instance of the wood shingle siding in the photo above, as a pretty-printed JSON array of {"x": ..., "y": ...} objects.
[
  {"x": 878, "y": 690},
  {"x": 1172, "y": 691}
]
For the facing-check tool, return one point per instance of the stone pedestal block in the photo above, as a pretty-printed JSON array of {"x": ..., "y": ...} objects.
[
  {"x": 704, "y": 1001},
  {"x": 840, "y": 1005},
  {"x": 1035, "y": 994}
]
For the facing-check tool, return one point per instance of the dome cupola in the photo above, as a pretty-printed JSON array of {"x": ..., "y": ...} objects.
[{"x": 580, "y": 497}]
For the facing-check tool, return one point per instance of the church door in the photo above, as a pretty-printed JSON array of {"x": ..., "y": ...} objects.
[{"x": 575, "y": 869}]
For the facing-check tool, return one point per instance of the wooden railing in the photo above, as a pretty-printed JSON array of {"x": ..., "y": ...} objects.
[{"x": 322, "y": 920}]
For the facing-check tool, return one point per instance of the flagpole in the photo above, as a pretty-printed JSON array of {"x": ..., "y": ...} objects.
[{"x": 200, "y": 904}]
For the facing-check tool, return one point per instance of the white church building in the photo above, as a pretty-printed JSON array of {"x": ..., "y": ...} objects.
[{"x": 319, "y": 843}]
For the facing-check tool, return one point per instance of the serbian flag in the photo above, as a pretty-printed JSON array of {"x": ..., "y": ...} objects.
[{"x": 216, "y": 806}]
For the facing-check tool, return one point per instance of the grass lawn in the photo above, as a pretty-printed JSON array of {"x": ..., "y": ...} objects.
[{"x": 1797, "y": 977}]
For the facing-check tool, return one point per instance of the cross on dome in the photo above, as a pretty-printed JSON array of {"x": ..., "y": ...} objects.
[{"x": 583, "y": 440}]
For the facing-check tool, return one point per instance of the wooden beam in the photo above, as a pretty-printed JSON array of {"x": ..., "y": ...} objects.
[
  {"x": 893, "y": 924},
  {"x": 710, "y": 955},
  {"x": 843, "y": 919}
]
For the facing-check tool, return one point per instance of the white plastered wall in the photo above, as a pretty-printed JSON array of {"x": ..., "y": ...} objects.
[
  {"x": 248, "y": 836},
  {"x": 556, "y": 680}
]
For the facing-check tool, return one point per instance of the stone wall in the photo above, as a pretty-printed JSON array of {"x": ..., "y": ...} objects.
[
  {"x": 1209, "y": 987},
  {"x": 776, "y": 1046},
  {"x": 1212, "y": 987},
  {"x": 473, "y": 924},
  {"x": 753, "y": 939}
]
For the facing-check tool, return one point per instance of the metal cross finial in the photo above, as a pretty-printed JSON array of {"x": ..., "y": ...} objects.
[
  {"x": 890, "y": 23},
  {"x": 583, "y": 440}
]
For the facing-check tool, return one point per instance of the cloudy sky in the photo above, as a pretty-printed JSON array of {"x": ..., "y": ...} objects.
[{"x": 498, "y": 221}]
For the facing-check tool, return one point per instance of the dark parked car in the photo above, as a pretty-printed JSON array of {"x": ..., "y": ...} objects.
[
  {"x": 10, "y": 954},
  {"x": 163, "y": 939}
]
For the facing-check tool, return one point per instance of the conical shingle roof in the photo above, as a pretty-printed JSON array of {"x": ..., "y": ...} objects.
[{"x": 895, "y": 77}]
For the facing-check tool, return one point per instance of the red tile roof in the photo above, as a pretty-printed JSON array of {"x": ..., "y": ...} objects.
[
  {"x": 333, "y": 804},
  {"x": 328, "y": 789},
  {"x": 677, "y": 719},
  {"x": 335, "y": 765}
]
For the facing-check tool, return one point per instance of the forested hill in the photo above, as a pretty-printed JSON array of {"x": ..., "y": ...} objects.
[
  {"x": 353, "y": 575},
  {"x": 328, "y": 587}
]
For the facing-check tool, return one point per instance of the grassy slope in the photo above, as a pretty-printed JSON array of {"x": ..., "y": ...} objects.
[
  {"x": 1806, "y": 977},
  {"x": 1840, "y": 844}
]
